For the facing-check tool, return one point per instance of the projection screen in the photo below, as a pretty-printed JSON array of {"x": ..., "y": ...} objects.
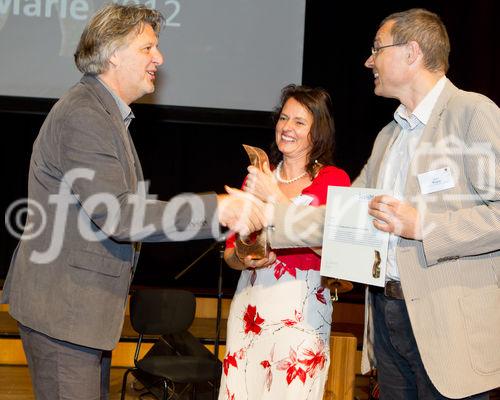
[{"x": 224, "y": 54}]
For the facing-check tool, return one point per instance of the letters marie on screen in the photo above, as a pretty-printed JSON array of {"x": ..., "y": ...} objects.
[
  {"x": 79, "y": 10},
  {"x": 39, "y": 37}
]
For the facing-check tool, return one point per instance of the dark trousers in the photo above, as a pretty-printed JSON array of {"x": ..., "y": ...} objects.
[
  {"x": 64, "y": 371},
  {"x": 400, "y": 372}
]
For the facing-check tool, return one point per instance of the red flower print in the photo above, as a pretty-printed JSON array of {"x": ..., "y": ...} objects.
[
  {"x": 269, "y": 374},
  {"x": 320, "y": 296},
  {"x": 292, "y": 371},
  {"x": 292, "y": 322},
  {"x": 267, "y": 366},
  {"x": 240, "y": 354},
  {"x": 287, "y": 362},
  {"x": 289, "y": 322},
  {"x": 252, "y": 320},
  {"x": 228, "y": 361},
  {"x": 229, "y": 395},
  {"x": 315, "y": 360},
  {"x": 280, "y": 269}
]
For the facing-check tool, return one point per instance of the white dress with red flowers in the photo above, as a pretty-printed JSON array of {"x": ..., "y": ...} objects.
[{"x": 279, "y": 324}]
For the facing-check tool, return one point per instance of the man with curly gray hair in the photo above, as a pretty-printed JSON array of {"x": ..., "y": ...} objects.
[{"x": 67, "y": 286}]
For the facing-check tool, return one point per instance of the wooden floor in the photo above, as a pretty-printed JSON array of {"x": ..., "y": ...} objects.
[{"x": 15, "y": 384}]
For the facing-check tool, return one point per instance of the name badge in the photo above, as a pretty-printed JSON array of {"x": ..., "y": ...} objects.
[{"x": 435, "y": 181}]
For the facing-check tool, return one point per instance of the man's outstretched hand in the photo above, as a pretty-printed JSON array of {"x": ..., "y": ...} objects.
[{"x": 242, "y": 212}]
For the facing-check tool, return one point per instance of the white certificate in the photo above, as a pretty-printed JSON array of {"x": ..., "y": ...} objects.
[{"x": 353, "y": 249}]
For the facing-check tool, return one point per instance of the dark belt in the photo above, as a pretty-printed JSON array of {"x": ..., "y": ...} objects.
[
  {"x": 394, "y": 290},
  {"x": 391, "y": 290}
]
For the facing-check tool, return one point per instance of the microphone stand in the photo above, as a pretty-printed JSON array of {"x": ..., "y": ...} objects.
[
  {"x": 219, "y": 301},
  {"x": 221, "y": 246}
]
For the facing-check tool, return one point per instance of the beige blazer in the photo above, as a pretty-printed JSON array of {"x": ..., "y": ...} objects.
[{"x": 450, "y": 279}]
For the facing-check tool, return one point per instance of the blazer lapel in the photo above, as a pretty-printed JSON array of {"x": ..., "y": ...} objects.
[
  {"x": 423, "y": 156},
  {"x": 109, "y": 104},
  {"x": 137, "y": 162}
]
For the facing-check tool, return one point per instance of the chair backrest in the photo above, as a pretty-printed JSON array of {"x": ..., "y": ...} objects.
[{"x": 161, "y": 311}]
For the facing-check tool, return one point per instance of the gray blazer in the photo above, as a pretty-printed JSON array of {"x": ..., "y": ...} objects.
[
  {"x": 450, "y": 279},
  {"x": 74, "y": 286}
]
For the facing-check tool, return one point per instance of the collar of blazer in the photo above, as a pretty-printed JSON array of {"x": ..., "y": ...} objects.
[
  {"x": 104, "y": 97},
  {"x": 109, "y": 104}
]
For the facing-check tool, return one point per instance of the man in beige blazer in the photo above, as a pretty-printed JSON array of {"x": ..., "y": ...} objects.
[{"x": 434, "y": 332}]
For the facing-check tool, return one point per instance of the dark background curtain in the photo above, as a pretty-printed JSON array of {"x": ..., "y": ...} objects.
[{"x": 196, "y": 150}]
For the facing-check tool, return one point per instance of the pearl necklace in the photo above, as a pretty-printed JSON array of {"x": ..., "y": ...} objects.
[{"x": 277, "y": 174}]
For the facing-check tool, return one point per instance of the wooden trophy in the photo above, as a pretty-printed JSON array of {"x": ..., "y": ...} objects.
[{"x": 254, "y": 245}]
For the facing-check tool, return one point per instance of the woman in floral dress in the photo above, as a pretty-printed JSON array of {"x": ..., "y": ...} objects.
[{"x": 280, "y": 318}]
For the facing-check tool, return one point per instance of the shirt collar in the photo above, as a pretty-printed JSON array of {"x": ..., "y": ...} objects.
[
  {"x": 423, "y": 111},
  {"x": 125, "y": 110}
]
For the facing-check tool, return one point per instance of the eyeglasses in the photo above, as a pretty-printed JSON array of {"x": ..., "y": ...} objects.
[{"x": 375, "y": 50}]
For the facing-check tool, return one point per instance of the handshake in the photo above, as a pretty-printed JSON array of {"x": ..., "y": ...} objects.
[
  {"x": 251, "y": 209},
  {"x": 243, "y": 212}
]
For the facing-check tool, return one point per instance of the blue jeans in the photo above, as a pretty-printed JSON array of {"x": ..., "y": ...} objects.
[{"x": 400, "y": 372}]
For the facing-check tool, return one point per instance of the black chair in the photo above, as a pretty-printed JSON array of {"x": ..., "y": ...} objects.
[{"x": 177, "y": 363}]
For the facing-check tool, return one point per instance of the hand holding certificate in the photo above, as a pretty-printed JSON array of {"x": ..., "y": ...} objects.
[{"x": 353, "y": 249}]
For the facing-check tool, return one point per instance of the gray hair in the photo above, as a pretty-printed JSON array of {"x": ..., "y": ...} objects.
[
  {"x": 425, "y": 28},
  {"x": 108, "y": 29}
]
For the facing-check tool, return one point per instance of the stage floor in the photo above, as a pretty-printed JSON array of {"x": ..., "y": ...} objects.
[{"x": 15, "y": 384}]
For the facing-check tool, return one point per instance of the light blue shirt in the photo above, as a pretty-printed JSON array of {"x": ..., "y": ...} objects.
[
  {"x": 395, "y": 166},
  {"x": 123, "y": 107}
]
